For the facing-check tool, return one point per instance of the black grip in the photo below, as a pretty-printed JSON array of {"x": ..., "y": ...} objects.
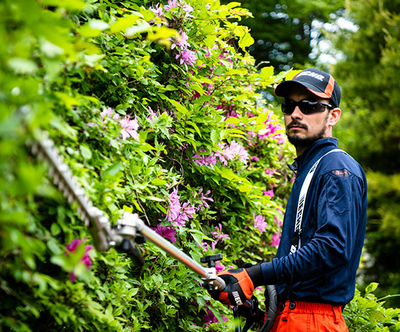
[
  {"x": 128, "y": 247},
  {"x": 210, "y": 260},
  {"x": 271, "y": 300}
]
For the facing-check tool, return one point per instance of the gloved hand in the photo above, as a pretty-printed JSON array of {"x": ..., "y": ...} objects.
[{"x": 240, "y": 284}]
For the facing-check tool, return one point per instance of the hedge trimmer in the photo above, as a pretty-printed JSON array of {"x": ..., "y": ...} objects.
[{"x": 130, "y": 227}]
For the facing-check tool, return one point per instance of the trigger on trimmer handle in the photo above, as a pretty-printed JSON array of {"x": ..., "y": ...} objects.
[{"x": 213, "y": 282}]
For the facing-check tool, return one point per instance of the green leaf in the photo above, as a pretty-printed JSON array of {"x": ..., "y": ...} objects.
[
  {"x": 215, "y": 136},
  {"x": 85, "y": 151},
  {"x": 123, "y": 23},
  {"x": 161, "y": 33},
  {"x": 55, "y": 229},
  {"x": 71, "y": 5},
  {"x": 216, "y": 314},
  {"x": 266, "y": 73},
  {"x": 179, "y": 107},
  {"x": 22, "y": 66},
  {"x": 158, "y": 182},
  {"x": 210, "y": 41},
  {"x": 371, "y": 287},
  {"x": 140, "y": 28},
  {"x": 246, "y": 41},
  {"x": 113, "y": 169}
]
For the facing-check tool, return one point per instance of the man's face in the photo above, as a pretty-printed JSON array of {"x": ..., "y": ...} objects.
[{"x": 303, "y": 130}]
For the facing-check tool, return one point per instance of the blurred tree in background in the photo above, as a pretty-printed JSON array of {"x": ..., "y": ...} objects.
[
  {"x": 285, "y": 31},
  {"x": 368, "y": 74}
]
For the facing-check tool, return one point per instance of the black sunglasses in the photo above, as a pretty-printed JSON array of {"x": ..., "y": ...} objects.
[{"x": 306, "y": 106}]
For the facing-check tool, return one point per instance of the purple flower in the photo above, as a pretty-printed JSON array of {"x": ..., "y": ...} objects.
[
  {"x": 204, "y": 246},
  {"x": 218, "y": 235},
  {"x": 174, "y": 206},
  {"x": 254, "y": 158},
  {"x": 206, "y": 160},
  {"x": 171, "y": 4},
  {"x": 178, "y": 214},
  {"x": 129, "y": 128},
  {"x": 234, "y": 150},
  {"x": 203, "y": 199},
  {"x": 71, "y": 247},
  {"x": 109, "y": 113},
  {"x": 180, "y": 41},
  {"x": 158, "y": 10},
  {"x": 210, "y": 318},
  {"x": 259, "y": 222},
  {"x": 167, "y": 232},
  {"x": 187, "y": 9},
  {"x": 186, "y": 57}
]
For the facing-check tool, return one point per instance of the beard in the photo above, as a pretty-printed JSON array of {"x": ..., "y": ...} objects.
[
  {"x": 297, "y": 140},
  {"x": 300, "y": 141}
]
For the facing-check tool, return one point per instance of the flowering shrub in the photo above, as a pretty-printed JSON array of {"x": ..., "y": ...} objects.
[{"x": 157, "y": 109}]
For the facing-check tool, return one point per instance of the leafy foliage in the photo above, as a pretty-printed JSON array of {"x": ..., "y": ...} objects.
[
  {"x": 367, "y": 313},
  {"x": 155, "y": 112}
]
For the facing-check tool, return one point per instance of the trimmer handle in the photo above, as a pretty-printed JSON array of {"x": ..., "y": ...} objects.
[
  {"x": 210, "y": 260},
  {"x": 213, "y": 282}
]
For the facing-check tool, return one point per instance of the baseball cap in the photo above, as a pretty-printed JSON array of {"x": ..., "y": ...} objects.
[{"x": 316, "y": 81}]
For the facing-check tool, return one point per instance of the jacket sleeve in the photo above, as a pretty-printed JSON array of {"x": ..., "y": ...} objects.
[{"x": 340, "y": 202}]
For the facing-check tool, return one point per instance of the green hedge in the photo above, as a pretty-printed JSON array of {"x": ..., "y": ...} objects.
[{"x": 157, "y": 109}]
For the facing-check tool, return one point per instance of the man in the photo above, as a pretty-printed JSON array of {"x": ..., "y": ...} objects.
[{"x": 317, "y": 259}]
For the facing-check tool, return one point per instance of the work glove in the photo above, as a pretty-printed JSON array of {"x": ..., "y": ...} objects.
[{"x": 240, "y": 284}]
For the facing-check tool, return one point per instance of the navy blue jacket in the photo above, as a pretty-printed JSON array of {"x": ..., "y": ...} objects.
[{"x": 334, "y": 222}]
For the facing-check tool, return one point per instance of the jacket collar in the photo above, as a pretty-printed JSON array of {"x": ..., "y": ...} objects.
[{"x": 317, "y": 148}]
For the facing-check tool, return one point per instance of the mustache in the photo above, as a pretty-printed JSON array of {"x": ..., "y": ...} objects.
[{"x": 296, "y": 123}]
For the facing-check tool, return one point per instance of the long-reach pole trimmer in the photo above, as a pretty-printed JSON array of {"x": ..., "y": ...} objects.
[{"x": 131, "y": 227}]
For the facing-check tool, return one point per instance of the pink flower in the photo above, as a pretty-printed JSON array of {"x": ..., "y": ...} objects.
[
  {"x": 129, "y": 128},
  {"x": 269, "y": 193},
  {"x": 234, "y": 150},
  {"x": 186, "y": 57},
  {"x": 259, "y": 222},
  {"x": 206, "y": 160},
  {"x": 204, "y": 246},
  {"x": 219, "y": 267},
  {"x": 152, "y": 113},
  {"x": 270, "y": 171},
  {"x": 167, "y": 232},
  {"x": 108, "y": 113},
  {"x": 174, "y": 206},
  {"x": 158, "y": 10},
  {"x": 203, "y": 199},
  {"x": 71, "y": 247},
  {"x": 218, "y": 235},
  {"x": 254, "y": 158},
  {"x": 180, "y": 41},
  {"x": 171, "y": 4},
  {"x": 276, "y": 238},
  {"x": 187, "y": 9},
  {"x": 178, "y": 214}
]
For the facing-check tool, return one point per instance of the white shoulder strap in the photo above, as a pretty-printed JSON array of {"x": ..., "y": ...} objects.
[{"x": 302, "y": 201}]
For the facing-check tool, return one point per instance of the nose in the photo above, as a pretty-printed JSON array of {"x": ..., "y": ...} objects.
[{"x": 297, "y": 113}]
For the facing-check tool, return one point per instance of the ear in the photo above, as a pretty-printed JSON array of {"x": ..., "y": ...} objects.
[{"x": 334, "y": 116}]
